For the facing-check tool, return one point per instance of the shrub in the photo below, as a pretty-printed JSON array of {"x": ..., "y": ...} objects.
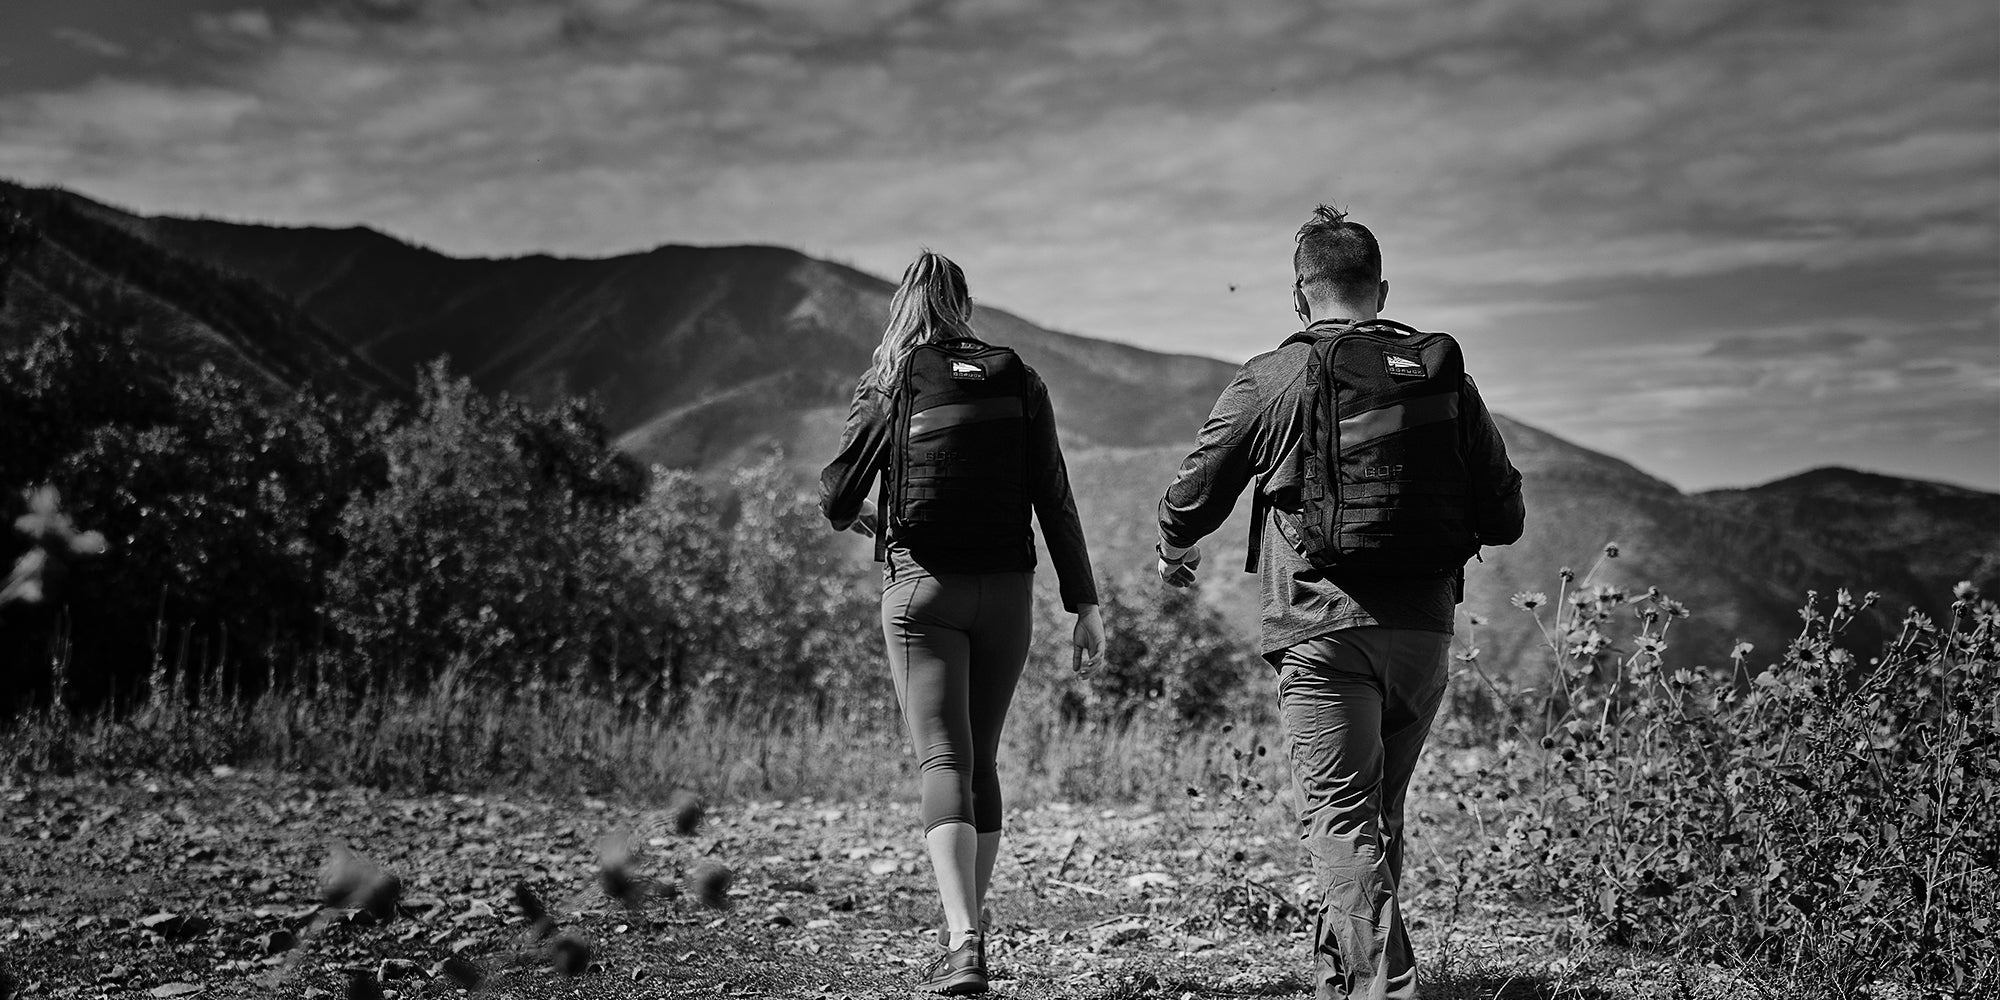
[
  {"x": 209, "y": 492},
  {"x": 1831, "y": 815},
  {"x": 1165, "y": 652},
  {"x": 488, "y": 545}
]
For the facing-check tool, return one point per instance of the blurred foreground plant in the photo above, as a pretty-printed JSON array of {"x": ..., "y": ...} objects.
[{"x": 54, "y": 541}]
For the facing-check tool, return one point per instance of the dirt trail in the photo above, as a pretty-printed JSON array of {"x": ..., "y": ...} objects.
[{"x": 143, "y": 886}]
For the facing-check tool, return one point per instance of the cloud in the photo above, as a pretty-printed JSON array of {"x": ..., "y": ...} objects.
[
  {"x": 94, "y": 44},
  {"x": 249, "y": 25},
  {"x": 1689, "y": 191},
  {"x": 1766, "y": 345}
]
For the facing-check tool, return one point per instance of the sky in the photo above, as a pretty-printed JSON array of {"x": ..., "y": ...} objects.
[{"x": 1724, "y": 241}]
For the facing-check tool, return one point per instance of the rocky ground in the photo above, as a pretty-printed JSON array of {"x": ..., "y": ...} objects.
[{"x": 136, "y": 885}]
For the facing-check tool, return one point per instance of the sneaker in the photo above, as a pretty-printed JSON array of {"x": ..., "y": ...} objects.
[
  {"x": 985, "y": 928},
  {"x": 958, "y": 972}
]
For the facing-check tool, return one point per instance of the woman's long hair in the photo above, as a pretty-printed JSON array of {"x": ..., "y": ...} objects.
[{"x": 931, "y": 304}]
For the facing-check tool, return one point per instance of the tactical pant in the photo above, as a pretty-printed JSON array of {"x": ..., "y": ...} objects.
[{"x": 1357, "y": 706}]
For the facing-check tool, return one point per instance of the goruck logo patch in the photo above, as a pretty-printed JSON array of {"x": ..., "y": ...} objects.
[
  {"x": 1403, "y": 367},
  {"x": 966, "y": 371}
]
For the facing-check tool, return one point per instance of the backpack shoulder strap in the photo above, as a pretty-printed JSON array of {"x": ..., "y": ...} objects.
[{"x": 1260, "y": 507}]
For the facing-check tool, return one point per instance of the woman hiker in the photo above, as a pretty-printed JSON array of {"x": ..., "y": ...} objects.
[{"x": 961, "y": 434}]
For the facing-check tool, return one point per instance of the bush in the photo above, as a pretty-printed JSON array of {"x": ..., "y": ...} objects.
[
  {"x": 220, "y": 506},
  {"x": 1831, "y": 815},
  {"x": 488, "y": 545},
  {"x": 1165, "y": 653}
]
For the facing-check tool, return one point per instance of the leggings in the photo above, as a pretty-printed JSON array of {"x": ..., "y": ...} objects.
[{"x": 957, "y": 644}]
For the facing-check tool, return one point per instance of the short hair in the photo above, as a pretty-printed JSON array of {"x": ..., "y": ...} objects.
[{"x": 1337, "y": 256}]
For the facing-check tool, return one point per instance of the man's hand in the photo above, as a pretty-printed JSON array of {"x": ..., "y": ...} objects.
[
  {"x": 864, "y": 522},
  {"x": 1177, "y": 566},
  {"x": 1087, "y": 638}
]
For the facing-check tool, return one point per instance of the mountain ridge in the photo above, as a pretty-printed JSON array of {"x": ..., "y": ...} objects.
[{"x": 704, "y": 356}]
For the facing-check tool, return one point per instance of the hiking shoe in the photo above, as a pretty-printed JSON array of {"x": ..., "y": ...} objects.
[
  {"x": 957, "y": 972},
  {"x": 985, "y": 926}
]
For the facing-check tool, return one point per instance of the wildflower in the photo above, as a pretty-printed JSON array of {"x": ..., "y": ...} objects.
[
  {"x": 1586, "y": 644},
  {"x": 1477, "y": 619},
  {"x": 1610, "y": 550},
  {"x": 1566, "y": 573},
  {"x": 1528, "y": 600},
  {"x": 1673, "y": 608},
  {"x": 1964, "y": 590},
  {"x": 1648, "y": 645},
  {"x": 1741, "y": 650},
  {"x": 1843, "y": 598},
  {"x": 1839, "y": 656}
]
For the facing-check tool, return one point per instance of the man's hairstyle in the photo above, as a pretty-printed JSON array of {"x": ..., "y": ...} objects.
[{"x": 1336, "y": 257}]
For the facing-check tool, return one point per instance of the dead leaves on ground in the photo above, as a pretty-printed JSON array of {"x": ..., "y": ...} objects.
[{"x": 507, "y": 897}]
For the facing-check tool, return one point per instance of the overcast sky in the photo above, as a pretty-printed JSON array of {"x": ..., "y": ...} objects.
[{"x": 1725, "y": 241}]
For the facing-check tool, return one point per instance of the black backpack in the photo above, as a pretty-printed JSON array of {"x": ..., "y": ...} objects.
[
  {"x": 958, "y": 475},
  {"x": 1386, "y": 491}
]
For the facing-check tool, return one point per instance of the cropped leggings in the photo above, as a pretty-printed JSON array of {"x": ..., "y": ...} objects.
[{"x": 957, "y": 644}]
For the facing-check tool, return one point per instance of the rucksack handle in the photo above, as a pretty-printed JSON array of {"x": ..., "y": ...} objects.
[
  {"x": 1307, "y": 336},
  {"x": 1321, "y": 337}
]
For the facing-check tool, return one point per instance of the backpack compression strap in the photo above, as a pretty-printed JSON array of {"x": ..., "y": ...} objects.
[{"x": 1259, "y": 506}]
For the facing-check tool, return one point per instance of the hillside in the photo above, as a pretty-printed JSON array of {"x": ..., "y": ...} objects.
[
  {"x": 686, "y": 348},
  {"x": 72, "y": 265},
  {"x": 700, "y": 356}
]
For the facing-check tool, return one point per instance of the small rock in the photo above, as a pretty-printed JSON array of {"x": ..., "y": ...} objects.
[
  {"x": 1145, "y": 880},
  {"x": 274, "y": 942},
  {"x": 393, "y": 969},
  {"x": 1113, "y": 935}
]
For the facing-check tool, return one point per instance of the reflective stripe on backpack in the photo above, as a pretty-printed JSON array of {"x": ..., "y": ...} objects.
[
  {"x": 1385, "y": 489},
  {"x": 959, "y": 471}
]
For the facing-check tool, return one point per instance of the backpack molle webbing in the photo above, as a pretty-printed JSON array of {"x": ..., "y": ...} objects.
[
  {"x": 960, "y": 475},
  {"x": 1386, "y": 488}
]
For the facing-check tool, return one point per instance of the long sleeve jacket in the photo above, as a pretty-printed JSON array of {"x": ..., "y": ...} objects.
[
  {"x": 865, "y": 447},
  {"x": 1254, "y": 435}
]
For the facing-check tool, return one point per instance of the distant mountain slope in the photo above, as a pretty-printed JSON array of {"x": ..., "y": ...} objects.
[
  {"x": 700, "y": 356},
  {"x": 1903, "y": 532},
  {"x": 76, "y": 265},
  {"x": 691, "y": 351}
]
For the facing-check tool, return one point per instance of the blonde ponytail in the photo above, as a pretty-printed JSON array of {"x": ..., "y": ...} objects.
[{"x": 930, "y": 305}]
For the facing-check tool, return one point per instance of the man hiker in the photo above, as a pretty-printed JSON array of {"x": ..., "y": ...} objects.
[{"x": 1377, "y": 473}]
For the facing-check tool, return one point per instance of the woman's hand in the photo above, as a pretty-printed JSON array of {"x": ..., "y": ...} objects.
[{"x": 1088, "y": 638}]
